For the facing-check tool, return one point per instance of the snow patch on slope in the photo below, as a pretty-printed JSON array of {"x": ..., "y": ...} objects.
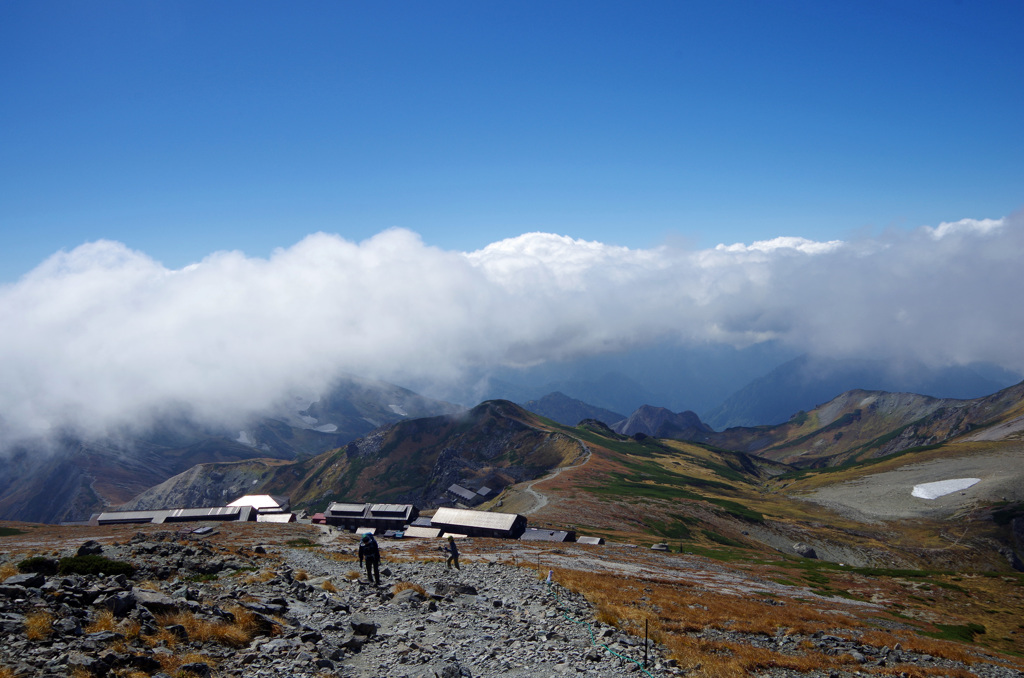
[{"x": 942, "y": 487}]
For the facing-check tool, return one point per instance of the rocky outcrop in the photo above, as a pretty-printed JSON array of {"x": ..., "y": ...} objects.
[{"x": 805, "y": 550}]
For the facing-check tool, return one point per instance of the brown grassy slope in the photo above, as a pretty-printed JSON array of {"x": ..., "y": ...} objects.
[
  {"x": 697, "y": 498},
  {"x": 866, "y": 424}
]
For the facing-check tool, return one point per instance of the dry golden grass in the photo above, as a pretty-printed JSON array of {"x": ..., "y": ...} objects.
[
  {"x": 300, "y": 575},
  {"x": 8, "y": 570},
  {"x": 7, "y": 672},
  {"x": 352, "y": 575},
  {"x": 405, "y": 585},
  {"x": 38, "y": 625},
  {"x": 670, "y": 611},
  {"x": 683, "y": 609},
  {"x": 130, "y": 628},
  {"x": 260, "y": 577},
  {"x": 171, "y": 662},
  {"x": 104, "y": 621},
  {"x": 922, "y": 644},
  {"x": 329, "y": 586},
  {"x": 234, "y": 634}
]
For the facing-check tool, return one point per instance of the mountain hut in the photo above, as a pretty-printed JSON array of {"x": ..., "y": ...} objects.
[{"x": 479, "y": 523}]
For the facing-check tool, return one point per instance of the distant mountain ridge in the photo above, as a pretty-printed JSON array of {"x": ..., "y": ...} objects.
[
  {"x": 569, "y": 411},
  {"x": 497, "y": 442},
  {"x": 663, "y": 423},
  {"x": 70, "y": 478},
  {"x": 73, "y": 477},
  {"x": 856, "y": 425},
  {"x": 735, "y": 487},
  {"x": 806, "y": 382}
]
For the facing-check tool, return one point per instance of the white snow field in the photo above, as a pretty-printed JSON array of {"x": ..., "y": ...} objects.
[{"x": 942, "y": 487}]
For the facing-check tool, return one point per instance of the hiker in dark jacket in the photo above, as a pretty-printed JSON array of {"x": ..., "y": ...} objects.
[
  {"x": 370, "y": 552},
  {"x": 453, "y": 553}
]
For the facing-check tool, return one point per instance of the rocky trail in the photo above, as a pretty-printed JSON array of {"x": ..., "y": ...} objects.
[
  {"x": 310, "y": 614},
  {"x": 539, "y": 500}
]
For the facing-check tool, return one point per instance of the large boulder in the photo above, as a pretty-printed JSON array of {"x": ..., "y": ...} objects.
[
  {"x": 120, "y": 604},
  {"x": 90, "y": 548},
  {"x": 407, "y": 596},
  {"x": 805, "y": 550},
  {"x": 362, "y": 625},
  {"x": 30, "y": 580},
  {"x": 154, "y": 601}
]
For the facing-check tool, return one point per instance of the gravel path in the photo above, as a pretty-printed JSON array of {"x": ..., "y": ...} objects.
[
  {"x": 484, "y": 620},
  {"x": 540, "y": 500}
]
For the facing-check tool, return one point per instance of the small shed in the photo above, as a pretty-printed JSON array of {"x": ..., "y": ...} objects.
[
  {"x": 264, "y": 503},
  {"x": 538, "y": 534},
  {"x": 460, "y": 493},
  {"x": 423, "y": 532}
]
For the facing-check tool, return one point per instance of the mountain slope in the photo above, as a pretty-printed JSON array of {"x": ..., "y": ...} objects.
[
  {"x": 861, "y": 425},
  {"x": 705, "y": 497}
]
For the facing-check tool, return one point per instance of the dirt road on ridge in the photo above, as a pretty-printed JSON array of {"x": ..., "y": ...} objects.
[{"x": 540, "y": 500}]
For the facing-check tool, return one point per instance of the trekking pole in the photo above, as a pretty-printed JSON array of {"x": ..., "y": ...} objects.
[{"x": 645, "y": 643}]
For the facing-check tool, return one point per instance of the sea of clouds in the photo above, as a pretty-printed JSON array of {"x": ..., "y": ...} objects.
[{"x": 102, "y": 336}]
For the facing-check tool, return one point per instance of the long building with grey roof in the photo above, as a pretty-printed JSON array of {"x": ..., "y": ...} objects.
[
  {"x": 370, "y": 517},
  {"x": 479, "y": 523},
  {"x": 181, "y": 515}
]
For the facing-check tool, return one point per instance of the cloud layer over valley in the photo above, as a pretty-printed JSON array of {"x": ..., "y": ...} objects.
[{"x": 102, "y": 336}]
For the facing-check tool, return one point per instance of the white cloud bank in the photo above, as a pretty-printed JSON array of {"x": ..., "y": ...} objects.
[{"x": 103, "y": 336}]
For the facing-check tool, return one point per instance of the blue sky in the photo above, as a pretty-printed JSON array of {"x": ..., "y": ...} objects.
[
  {"x": 185, "y": 128},
  {"x": 218, "y": 204}
]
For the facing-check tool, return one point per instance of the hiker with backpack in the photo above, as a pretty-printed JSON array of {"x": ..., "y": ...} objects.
[
  {"x": 370, "y": 552},
  {"x": 453, "y": 553}
]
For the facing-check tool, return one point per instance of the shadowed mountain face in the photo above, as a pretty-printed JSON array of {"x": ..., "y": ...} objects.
[
  {"x": 569, "y": 411},
  {"x": 70, "y": 478},
  {"x": 497, "y": 443},
  {"x": 662, "y": 423}
]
